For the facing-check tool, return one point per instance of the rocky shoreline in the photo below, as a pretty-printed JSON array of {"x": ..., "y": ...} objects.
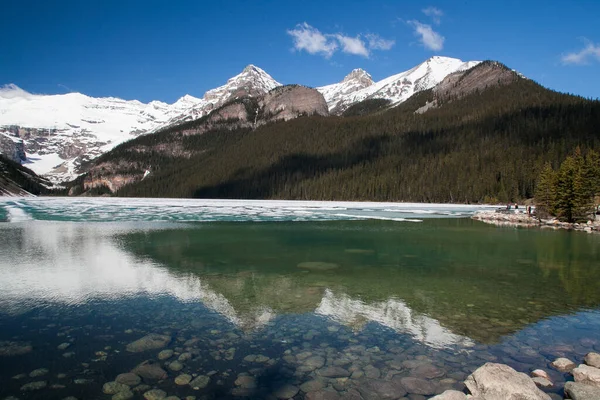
[
  {"x": 528, "y": 221},
  {"x": 494, "y": 381}
]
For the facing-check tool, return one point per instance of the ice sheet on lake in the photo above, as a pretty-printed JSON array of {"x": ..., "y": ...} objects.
[{"x": 190, "y": 210}]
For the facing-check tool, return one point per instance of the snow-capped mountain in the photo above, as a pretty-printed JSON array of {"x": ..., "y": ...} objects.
[
  {"x": 60, "y": 132},
  {"x": 359, "y": 86}
]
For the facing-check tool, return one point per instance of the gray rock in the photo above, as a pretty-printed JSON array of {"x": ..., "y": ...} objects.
[
  {"x": 149, "y": 342},
  {"x": 540, "y": 373},
  {"x": 563, "y": 364},
  {"x": 334, "y": 372},
  {"x": 128, "y": 378},
  {"x": 542, "y": 382},
  {"x": 581, "y": 391},
  {"x": 175, "y": 366},
  {"x": 38, "y": 372},
  {"x": 200, "y": 382},
  {"x": 324, "y": 395},
  {"x": 379, "y": 389},
  {"x": 427, "y": 371},
  {"x": 155, "y": 394},
  {"x": 418, "y": 385},
  {"x": 286, "y": 391},
  {"x": 124, "y": 395},
  {"x": 311, "y": 386},
  {"x": 114, "y": 388},
  {"x": 183, "y": 379},
  {"x": 372, "y": 372},
  {"x": 313, "y": 363},
  {"x": 246, "y": 382},
  {"x": 586, "y": 374},
  {"x": 593, "y": 360},
  {"x": 450, "y": 395},
  {"x": 287, "y": 102},
  {"x": 63, "y": 346},
  {"x": 165, "y": 354},
  {"x": 500, "y": 382},
  {"x": 34, "y": 386},
  {"x": 150, "y": 370}
]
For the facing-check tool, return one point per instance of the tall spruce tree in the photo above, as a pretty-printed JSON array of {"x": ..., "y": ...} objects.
[{"x": 545, "y": 192}]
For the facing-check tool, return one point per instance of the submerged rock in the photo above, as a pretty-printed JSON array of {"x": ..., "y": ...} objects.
[
  {"x": 165, "y": 354},
  {"x": 418, "y": 385},
  {"x": 286, "y": 391},
  {"x": 200, "y": 382},
  {"x": 34, "y": 386},
  {"x": 8, "y": 348},
  {"x": 155, "y": 394},
  {"x": 124, "y": 395},
  {"x": 114, "y": 388},
  {"x": 380, "y": 389},
  {"x": 38, "y": 372},
  {"x": 150, "y": 370},
  {"x": 325, "y": 395},
  {"x": 183, "y": 379},
  {"x": 318, "y": 265},
  {"x": 149, "y": 342},
  {"x": 128, "y": 378},
  {"x": 500, "y": 382},
  {"x": 334, "y": 372}
]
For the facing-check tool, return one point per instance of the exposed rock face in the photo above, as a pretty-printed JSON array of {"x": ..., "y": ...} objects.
[
  {"x": 462, "y": 83},
  {"x": 12, "y": 148},
  {"x": 483, "y": 76},
  {"x": 500, "y": 382},
  {"x": 287, "y": 102}
]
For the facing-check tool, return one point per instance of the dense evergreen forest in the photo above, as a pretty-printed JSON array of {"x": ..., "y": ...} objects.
[
  {"x": 14, "y": 177},
  {"x": 489, "y": 146}
]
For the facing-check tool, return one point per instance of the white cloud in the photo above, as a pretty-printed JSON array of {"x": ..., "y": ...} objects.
[
  {"x": 591, "y": 51},
  {"x": 378, "y": 43},
  {"x": 312, "y": 40},
  {"x": 435, "y": 13},
  {"x": 352, "y": 45},
  {"x": 427, "y": 36}
]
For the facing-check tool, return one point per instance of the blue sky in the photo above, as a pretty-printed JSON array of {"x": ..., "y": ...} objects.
[{"x": 161, "y": 50}]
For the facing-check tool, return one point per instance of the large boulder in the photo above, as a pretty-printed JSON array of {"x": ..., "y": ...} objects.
[
  {"x": 588, "y": 375},
  {"x": 581, "y": 391},
  {"x": 150, "y": 370},
  {"x": 149, "y": 342},
  {"x": 450, "y": 395},
  {"x": 593, "y": 360},
  {"x": 495, "y": 381}
]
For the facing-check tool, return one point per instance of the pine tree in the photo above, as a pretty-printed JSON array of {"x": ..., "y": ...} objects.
[
  {"x": 545, "y": 192},
  {"x": 565, "y": 191}
]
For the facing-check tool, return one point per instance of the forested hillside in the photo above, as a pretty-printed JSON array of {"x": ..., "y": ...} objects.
[
  {"x": 17, "y": 180},
  {"x": 489, "y": 145}
]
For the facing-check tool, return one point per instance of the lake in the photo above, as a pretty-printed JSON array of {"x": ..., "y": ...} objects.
[{"x": 276, "y": 299}]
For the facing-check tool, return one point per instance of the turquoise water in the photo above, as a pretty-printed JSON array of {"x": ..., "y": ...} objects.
[{"x": 283, "y": 298}]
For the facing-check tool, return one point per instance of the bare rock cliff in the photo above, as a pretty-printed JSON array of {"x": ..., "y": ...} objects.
[{"x": 288, "y": 102}]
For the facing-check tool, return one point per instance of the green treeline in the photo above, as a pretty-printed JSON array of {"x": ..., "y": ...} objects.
[
  {"x": 568, "y": 193},
  {"x": 489, "y": 146}
]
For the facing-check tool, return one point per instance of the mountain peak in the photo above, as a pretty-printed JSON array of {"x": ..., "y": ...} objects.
[
  {"x": 12, "y": 91},
  {"x": 358, "y": 74}
]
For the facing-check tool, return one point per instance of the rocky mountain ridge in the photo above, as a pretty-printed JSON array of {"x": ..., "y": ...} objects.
[{"x": 60, "y": 134}]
